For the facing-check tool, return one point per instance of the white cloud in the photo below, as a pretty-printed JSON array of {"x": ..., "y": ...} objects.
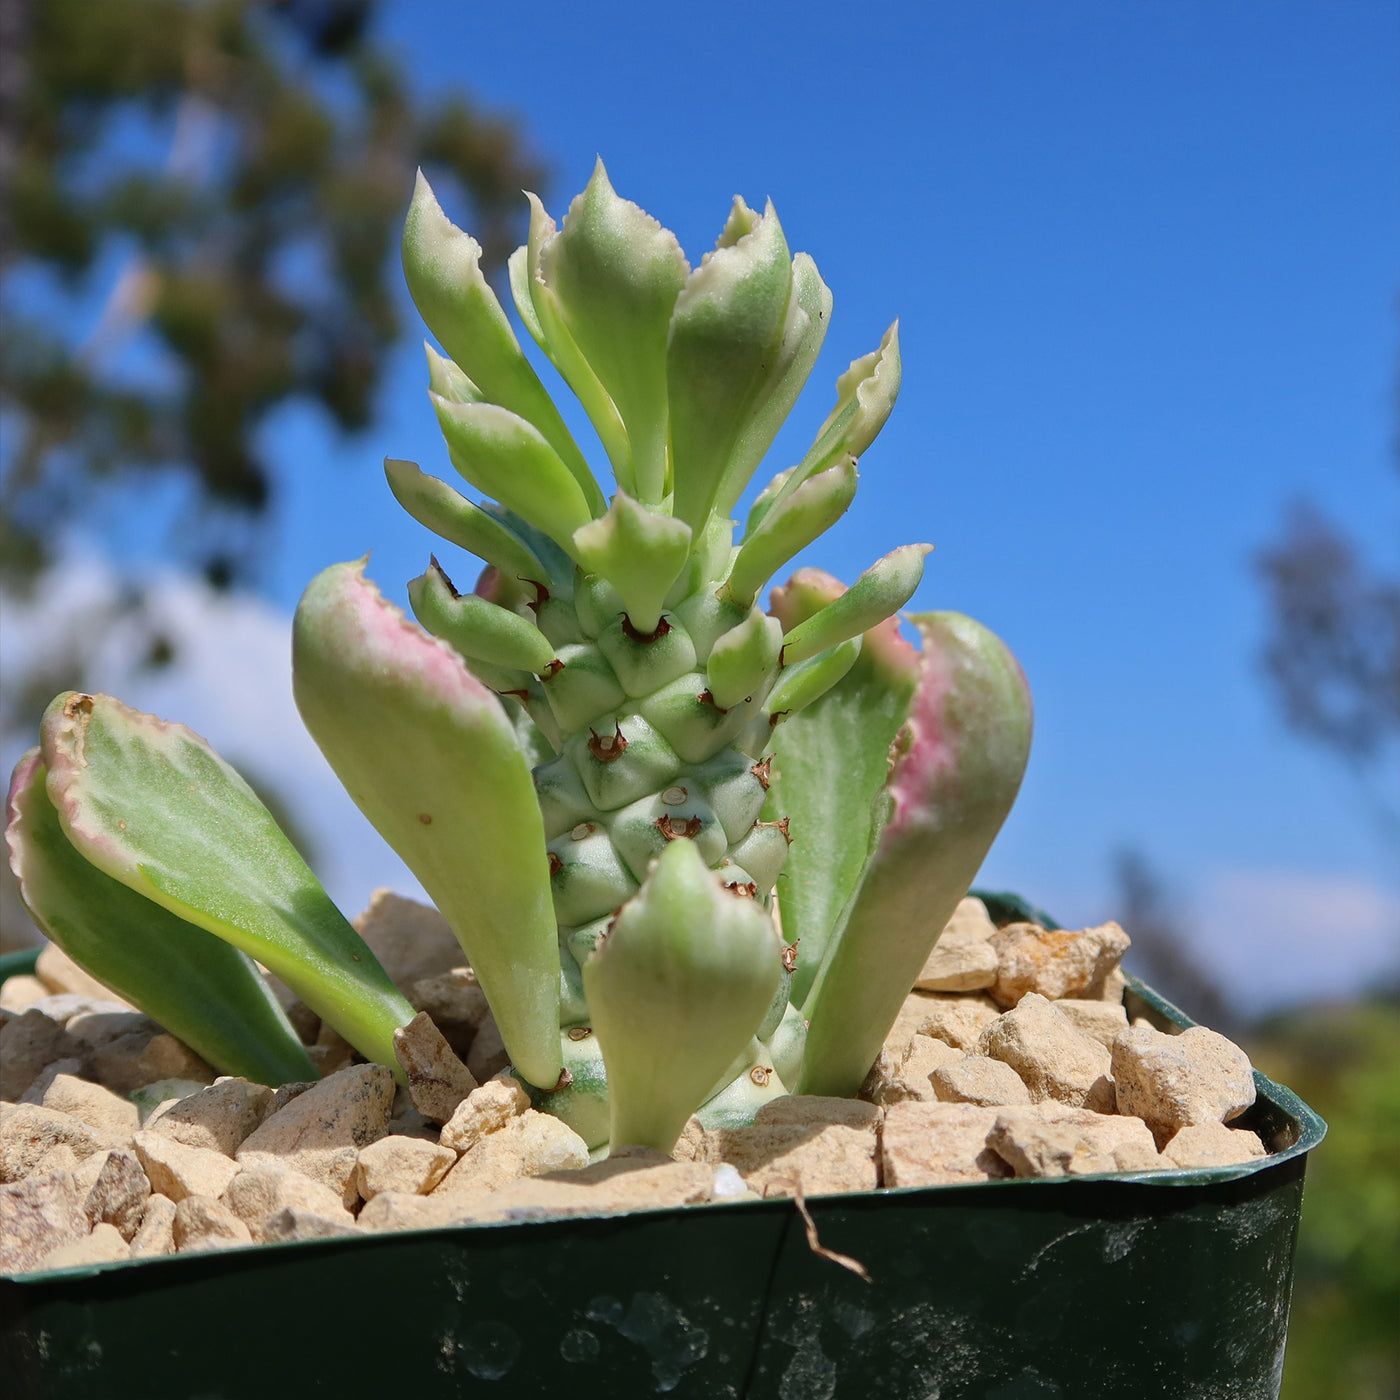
[
  {"x": 1285, "y": 936},
  {"x": 231, "y": 683}
]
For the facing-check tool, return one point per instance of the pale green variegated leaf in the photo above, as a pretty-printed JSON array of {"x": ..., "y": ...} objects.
[
  {"x": 726, "y": 331},
  {"x": 450, "y": 515},
  {"x": 804, "y": 330},
  {"x": 831, "y": 759},
  {"x": 554, "y": 337},
  {"x": 878, "y": 593},
  {"x": 152, "y": 805},
  {"x": 503, "y": 456},
  {"x": 429, "y": 756},
  {"x": 479, "y": 630},
  {"x": 200, "y": 988},
  {"x": 958, "y": 765},
  {"x": 615, "y": 273},
  {"x": 676, "y": 990},
  {"x": 790, "y": 527},
  {"x": 743, "y": 658},
  {"x": 641, "y": 553},
  {"x": 807, "y": 681},
  {"x": 442, "y": 265},
  {"x": 865, "y": 396}
]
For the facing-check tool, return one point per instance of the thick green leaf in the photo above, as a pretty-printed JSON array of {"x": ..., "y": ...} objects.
[
  {"x": 615, "y": 274},
  {"x": 430, "y": 757},
  {"x": 505, "y": 457},
  {"x": 479, "y": 630},
  {"x": 789, "y": 528},
  {"x": 200, "y": 988},
  {"x": 442, "y": 266},
  {"x": 152, "y": 805},
  {"x": 639, "y": 552},
  {"x": 449, "y": 514},
  {"x": 676, "y": 991},
  {"x": 804, "y": 330},
  {"x": 878, "y": 593},
  {"x": 831, "y": 759},
  {"x": 540, "y": 310},
  {"x": 726, "y": 331},
  {"x": 958, "y": 766}
]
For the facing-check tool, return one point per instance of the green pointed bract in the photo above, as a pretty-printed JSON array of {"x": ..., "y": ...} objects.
[
  {"x": 446, "y": 379},
  {"x": 476, "y": 629},
  {"x": 806, "y": 682},
  {"x": 865, "y": 396},
  {"x": 804, "y": 330},
  {"x": 199, "y": 987},
  {"x": 152, "y": 805},
  {"x": 640, "y": 552},
  {"x": 448, "y": 514},
  {"x": 615, "y": 274},
  {"x": 504, "y": 456},
  {"x": 442, "y": 266},
  {"x": 545, "y": 316},
  {"x": 743, "y": 659},
  {"x": 430, "y": 757},
  {"x": 850, "y": 728},
  {"x": 676, "y": 991},
  {"x": 790, "y": 527},
  {"x": 958, "y": 766},
  {"x": 726, "y": 332},
  {"x": 878, "y": 593}
]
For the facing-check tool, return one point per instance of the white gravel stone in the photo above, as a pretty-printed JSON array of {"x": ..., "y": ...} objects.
[
  {"x": 135, "y": 1060},
  {"x": 403, "y": 1164},
  {"x": 104, "y": 1245},
  {"x": 938, "y": 1144},
  {"x": 526, "y": 1145},
  {"x": 321, "y": 1131},
  {"x": 891, "y": 1083},
  {"x": 202, "y": 1223},
  {"x": 485, "y": 1110},
  {"x": 978, "y": 1079},
  {"x": 119, "y": 1191},
  {"x": 1212, "y": 1145},
  {"x": 38, "y": 1215},
  {"x": 257, "y": 1194},
  {"x": 1172, "y": 1081},
  {"x": 20, "y": 992},
  {"x": 31, "y": 1131},
  {"x": 29, "y": 1043},
  {"x": 156, "y": 1233},
  {"x": 1101, "y": 1019},
  {"x": 177, "y": 1171},
  {"x": 963, "y": 959},
  {"x": 1071, "y": 1142},
  {"x": 437, "y": 1080},
  {"x": 1053, "y": 1058},
  {"x": 1054, "y": 962},
  {"x": 97, "y": 1107},
  {"x": 218, "y": 1118}
]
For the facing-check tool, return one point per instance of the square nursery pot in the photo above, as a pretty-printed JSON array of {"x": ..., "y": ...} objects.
[{"x": 1159, "y": 1286}]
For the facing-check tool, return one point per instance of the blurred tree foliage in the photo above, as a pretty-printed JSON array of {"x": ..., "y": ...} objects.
[
  {"x": 1344, "y": 1335},
  {"x": 235, "y": 172},
  {"x": 1332, "y": 655}
]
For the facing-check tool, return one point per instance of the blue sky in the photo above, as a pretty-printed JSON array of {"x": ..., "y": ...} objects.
[{"x": 1143, "y": 257}]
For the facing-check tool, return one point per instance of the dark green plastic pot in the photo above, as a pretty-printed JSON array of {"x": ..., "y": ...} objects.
[{"x": 1167, "y": 1286}]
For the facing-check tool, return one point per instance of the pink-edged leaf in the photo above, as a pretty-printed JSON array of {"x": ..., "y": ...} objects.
[
  {"x": 430, "y": 757},
  {"x": 958, "y": 765}
]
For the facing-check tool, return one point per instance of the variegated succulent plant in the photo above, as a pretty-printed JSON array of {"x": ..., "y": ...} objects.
[{"x": 601, "y": 761}]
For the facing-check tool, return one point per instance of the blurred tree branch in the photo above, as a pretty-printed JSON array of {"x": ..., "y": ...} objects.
[{"x": 233, "y": 173}]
